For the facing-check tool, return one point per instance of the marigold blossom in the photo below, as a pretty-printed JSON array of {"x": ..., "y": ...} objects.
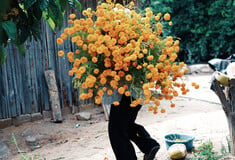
[{"x": 125, "y": 51}]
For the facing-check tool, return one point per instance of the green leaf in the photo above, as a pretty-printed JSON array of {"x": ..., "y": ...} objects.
[
  {"x": 75, "y": 3},
  {"x": 2, "y": 56},
  {"x": 37, "y": 12},
  {"x": 4, "y": 5},
  {"x": 44, "y": 4},
  {"x": 60, "y": 21},
  {"x": 24, "y": 33},
  {"x": 50, "y": 21},
  {"x": 36, "y": 30},
  {"x": 63, "y": 5},
  {"x": 21, "y": 49},
  {"x": 28, "y": 3},
  {"x": 53, "y": 10},
  {"x": 10, "y": 28},
  {"x": 78, "y": 5}
]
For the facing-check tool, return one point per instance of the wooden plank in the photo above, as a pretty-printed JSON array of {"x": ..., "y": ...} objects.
[
  {"x": 40, "y": 70},
  {"x": 54, "y": 97},
  {"x": 24, "y": 86},
  {"x": 28, "y": 86},
  {"x": 34, "y": 76},
  {"x": 14, "y": 79},
  {"x": 6, "y": 87},
  {"x": 20, "y": 59},
  {"x": 106, "y": 108},
  {"x": 45, "y": 95},
  {"x": 12, "y": 103},
  {"x": 1, "y": 96}
]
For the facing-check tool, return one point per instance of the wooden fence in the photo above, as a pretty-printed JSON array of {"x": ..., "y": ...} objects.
[{"x": 23, "y": 86}]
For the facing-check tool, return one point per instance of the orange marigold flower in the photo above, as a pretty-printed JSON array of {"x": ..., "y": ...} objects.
[
  {"x": 100, "y": 93},
  {"x": 82, "y": 69},
  {"x": 94, "y": 59},
  {"x": 90, "y": 30},
  {"x": 70, "y": 21},
  {"x": 83, "y": 60},
  {"x": 116, "y": 77},
  {"x": 72, "y": 16},
  {"x": 146, "y": 101},
  {"x": 98, "y": 100},
  {"x": 128, "y": 77},
  {"x": 157, "y": 102},
  {"x": 175, "y": 93},
  {"x": 159, "y": 30},
  {"x": 82, "y": 96},
  {"x": 150, "y": 108},
  {"x": 60, "y": 53},
  {"x": 160, "y": 97},
  {"x": 77, "y": 51},
  {"x": 167, "y": 17},
  {"x": 104, "y": 88},
  {"x": 70, "y": 54},
  {"x": 103, "y": 80},
  {"x": 150, "y": 57},
  {"x": 70, "y": 73},
  {"x": 90, "y": 94},
  {"x": 127, "y": 93},
  {"x": 149, "y": 75},
  {"x": 121, "y": 73},
  {"x": 172, "y": 105},
  {"x": 121, "y": 90},
  {"x": 63, "y": 36},
  {"x": 162, "y": 57},
  {"x": 157, "y": 18},
  {"x": 79, "y": 43},
  {"x": 109, "y": 92},
  {"x": 185, "y": 70},
  {"x": 59, "y": 41},
  {"x": 196, "y": 86},
  {"x": 145, "y": 64},
  {"x": 116, "y": 103},
  {"x": 163, "y": 110},
  {"x": 145, "y": 51},
  {"x": 84, "y": 47},
  {"x": 177, "y": 49},
  {"x": 176, "y": 43}
]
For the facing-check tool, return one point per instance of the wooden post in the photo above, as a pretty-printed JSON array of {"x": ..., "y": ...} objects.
[
  {"x": 54, "y": 96},
  {"x": 227, "y": 98},
  {"x": 106, "y": 108}
]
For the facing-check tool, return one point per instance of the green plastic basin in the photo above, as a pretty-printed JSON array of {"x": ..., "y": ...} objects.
[{"x": 187, "y": 140}]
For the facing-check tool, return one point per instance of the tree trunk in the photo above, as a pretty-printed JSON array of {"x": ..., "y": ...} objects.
[
  {"x": 231, "y": 124},
  {"x": 54, "y": 96},
  {"x": 227, "y": 98}
]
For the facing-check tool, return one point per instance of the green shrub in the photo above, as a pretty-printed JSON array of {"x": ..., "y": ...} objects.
[{"x": 206, "y": 28}]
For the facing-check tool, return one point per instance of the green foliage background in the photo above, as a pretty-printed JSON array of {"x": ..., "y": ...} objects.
[{"x": 206, "y": 28}]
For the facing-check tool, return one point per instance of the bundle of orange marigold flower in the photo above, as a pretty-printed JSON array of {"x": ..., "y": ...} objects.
[{"x": 124, "y": 51}]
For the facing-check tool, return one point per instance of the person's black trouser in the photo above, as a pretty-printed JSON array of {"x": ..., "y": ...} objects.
[{"x": 122, "y": 129}]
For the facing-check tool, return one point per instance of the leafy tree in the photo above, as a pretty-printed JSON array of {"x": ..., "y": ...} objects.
[
  {"x": 21, "y": 19},
  {"x": 206, "y": 28}
]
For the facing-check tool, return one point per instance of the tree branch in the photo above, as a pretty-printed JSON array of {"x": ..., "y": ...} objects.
[
  {"x": 219, "y": 91},
  {"x": 231, "y": 92}
]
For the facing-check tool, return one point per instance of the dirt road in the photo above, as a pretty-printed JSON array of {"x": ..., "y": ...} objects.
[{"x": 198, "y": 114}]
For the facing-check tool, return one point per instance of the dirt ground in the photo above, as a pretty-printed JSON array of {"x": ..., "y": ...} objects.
[{"x": 198, "y": 114}]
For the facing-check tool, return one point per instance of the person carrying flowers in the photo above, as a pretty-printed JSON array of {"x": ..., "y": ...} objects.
[{"x": 121, "y": 58}]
